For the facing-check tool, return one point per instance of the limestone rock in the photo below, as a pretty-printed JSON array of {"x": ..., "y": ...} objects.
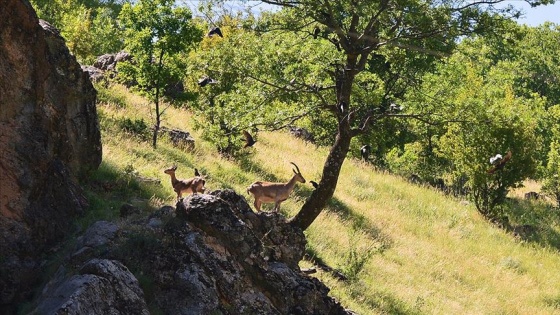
[
  {"x": 49, "y": 135},
  {"x": 207, "y": 259},
  {"x": 101, "y": 287}
]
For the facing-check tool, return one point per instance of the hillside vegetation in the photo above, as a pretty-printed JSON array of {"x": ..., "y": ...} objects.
[{"x": 405, "y": 249}]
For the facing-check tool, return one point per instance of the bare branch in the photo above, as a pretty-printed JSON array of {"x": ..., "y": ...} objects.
[{"x": 282, "y": 3}]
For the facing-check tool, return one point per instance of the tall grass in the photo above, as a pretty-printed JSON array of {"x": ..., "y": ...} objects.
[{"x": 405, "y": 249}]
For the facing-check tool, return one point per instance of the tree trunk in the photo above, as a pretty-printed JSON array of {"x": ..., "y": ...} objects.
[
  {"x": 331, "y": 170},
  {"x": 344, "y": 78},
  {"x": 158, "y": 88}
]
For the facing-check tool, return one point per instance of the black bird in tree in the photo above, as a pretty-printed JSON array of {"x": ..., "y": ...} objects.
[
  {"x": 215, "y": 31},
  {"x": 314, "y": 184},
  {"x": 205, "y": 81},
  {"x": 336, "y": 43},
  {"x": 316, "y": 32},
  {"x": 364, "y": 151},
  {"x": 196, "y": 173},
  {"x": 395, "y": 108},
  {"x": 498, "y": 162},
  {"x": 342, "y": 107},
  {"x": 249, "y": 141}
]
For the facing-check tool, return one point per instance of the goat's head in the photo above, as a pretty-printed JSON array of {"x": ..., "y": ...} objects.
[
  {"x": 171, "y": 170},
  {"x": 299, "y": 177}
]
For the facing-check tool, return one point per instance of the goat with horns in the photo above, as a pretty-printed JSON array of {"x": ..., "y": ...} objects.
[{"x": 267, "y": 192}]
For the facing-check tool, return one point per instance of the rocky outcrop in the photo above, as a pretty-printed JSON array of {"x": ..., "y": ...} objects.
[
  {"x": 97, "y": 280},
  {"x": 212, "y": 255},
  {"x": 49, "y": 135},
  {"x": 106, "y": 66}
]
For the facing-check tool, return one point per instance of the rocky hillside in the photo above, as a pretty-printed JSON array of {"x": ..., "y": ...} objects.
[
  {"x": 210, "y": 255},
  {"x": 49, "y": 136}
]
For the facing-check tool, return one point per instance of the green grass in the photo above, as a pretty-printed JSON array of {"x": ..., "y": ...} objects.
[{"x": 406, "y": 249}]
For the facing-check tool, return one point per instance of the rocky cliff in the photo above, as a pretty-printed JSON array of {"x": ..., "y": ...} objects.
[
  {"x": 49, "y": 136},
  {"x": 210, "y": 255}
]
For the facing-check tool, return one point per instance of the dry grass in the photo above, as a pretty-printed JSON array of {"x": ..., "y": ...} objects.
[{"x": 410, "y": 249}]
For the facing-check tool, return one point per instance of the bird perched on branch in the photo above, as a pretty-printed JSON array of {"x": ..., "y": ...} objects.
[
  {"x": 342, "y": 107},
  {"x": 196, "y": 172},
  {"x": 315, "y": 185},
  {"x": 498, "y": 162},
  {"x": 364, "y": 151},
  {"x": 215, "y": 31},
  {"x": 395, "y": 108},
  {"x": 316, "y": 32},
  {"x": 249, "y": 141},
  {"x": 205, "y": 81}
]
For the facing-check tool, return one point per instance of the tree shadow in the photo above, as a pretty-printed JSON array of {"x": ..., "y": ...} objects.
[
  {"x": 246, "y": 164},
  {"x": 359, "y": 222},
  {"x": 533, "y": 221}
]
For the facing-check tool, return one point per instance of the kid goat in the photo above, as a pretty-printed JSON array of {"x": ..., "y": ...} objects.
[
  {"x": 193, "y": 185},
  {"x": 268, "y": 192}
]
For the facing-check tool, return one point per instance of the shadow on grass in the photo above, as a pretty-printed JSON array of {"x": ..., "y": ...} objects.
[
  {"x": 246, "y": 164},
  {"x": 384, "y": 302},
  {"x": 359, "y": 223},
  {"x": 109, "y": 187},
  {"x": 534, "y": 221}
]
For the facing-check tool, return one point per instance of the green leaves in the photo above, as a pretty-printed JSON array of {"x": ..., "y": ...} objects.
[
  {"x": 155, "y": 33},
  {"x": 480, "y": 116}
]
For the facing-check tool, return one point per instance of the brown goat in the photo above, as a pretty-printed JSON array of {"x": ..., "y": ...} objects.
[
  {"x": 192, "y": 185},
  {"x": 267, "y": 192}
]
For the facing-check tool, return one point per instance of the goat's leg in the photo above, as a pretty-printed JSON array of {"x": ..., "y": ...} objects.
[
  {"x": 277, "y": 206},
  {"x": 258, "y": 205}
]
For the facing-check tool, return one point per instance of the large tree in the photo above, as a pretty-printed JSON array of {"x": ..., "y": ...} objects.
[
  {"x": 387, "y": 44},
  {"x": 156, "y": 31}
]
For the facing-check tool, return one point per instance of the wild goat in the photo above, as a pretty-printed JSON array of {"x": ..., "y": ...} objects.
[
  {"x": 193, "y": 185},
  {"x": 268, "y": 192}
]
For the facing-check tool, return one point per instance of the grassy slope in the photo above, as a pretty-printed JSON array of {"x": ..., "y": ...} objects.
[{"x": 407, "y": 249}]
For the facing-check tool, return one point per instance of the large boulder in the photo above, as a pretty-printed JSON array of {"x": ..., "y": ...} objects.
[
  {"x": 49, "y": 136},
  {"x": 101, "y": 286},
  {"x": 213, "y": 255}
]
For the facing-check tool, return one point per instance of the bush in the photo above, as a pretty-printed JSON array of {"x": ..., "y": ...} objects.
[{"x": 136, "y": 127}]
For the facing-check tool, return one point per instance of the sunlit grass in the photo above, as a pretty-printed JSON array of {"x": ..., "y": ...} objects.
[{"x": 409, "y": 249}]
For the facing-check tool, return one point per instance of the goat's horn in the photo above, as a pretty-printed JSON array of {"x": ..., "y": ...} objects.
[{"x": 297, "y": 168}]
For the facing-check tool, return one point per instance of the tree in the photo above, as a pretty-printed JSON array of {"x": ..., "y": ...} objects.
[
  {"x": 493, "y": 121},
  {"x": 551, "y": 182},
  {"x": 155, "y": 33},
  {"x": 370, "y": 39},
  {"x": 88, "y": 27}
]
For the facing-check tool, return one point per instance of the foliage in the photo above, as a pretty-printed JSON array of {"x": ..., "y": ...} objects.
[
  {"x": 488, "y": 119},
  {"x": 354, "y": 59},
  {"x": 108, "y": 96},
  {"x": 414, "y": 160},
  {"x": 551, "y": 184},
  {"x": 537, "y": 65},
  {"x": 89, "y": 27},
  {"x": 136, "y": 127},
  {"x": 242, "y": 62},
  {"x": 155, "y": 33}
]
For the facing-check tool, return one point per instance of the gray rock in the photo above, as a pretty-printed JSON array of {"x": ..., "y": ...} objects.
[
  {"x": 50, "y": 137},
  {"x": 99, "y": 233},
  {"x": 101, "y": 287}
]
